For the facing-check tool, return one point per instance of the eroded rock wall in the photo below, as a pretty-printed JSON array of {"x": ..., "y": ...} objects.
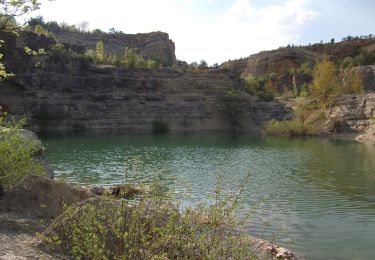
[
  {"x": 155, "y": 45},
  {"x": 110, "y": 100},
  {"x": 351, "y": 113}
]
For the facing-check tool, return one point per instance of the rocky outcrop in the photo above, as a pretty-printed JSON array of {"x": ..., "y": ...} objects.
[
  {"x": 41, "y": 197},
  {"x": 155, "y": 45},
  {"x": 105, "y": 99},
  {"x": 66, "y": 94},
  {"x": 352, "y": 114},
  {"x": 278, "y": 61}
]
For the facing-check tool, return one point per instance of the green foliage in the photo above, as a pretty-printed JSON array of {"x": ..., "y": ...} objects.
[
  {"x": 232, "y": 107},
  {"x": 262, "y": 87},
  {"x": 129, "y": 58},
  {"x": 98, "y": 55},
  {"x": 352, "y": 82},
  {"x": 152, "y": 228},
  {"x": 3, "y": 73},
  {"x": 328, "y": 81},
  {"x": 325, "y": 85},
  {"x": 203, "y": 64},
  {"x": 307, "y": 120},
  {"x": 10, "y": 10},
  {"x": 8, "y": 24},
  {"x": 34, "y": 21},
  {"x": 284, "y": 128},
  {"x": 347, "y": 62},
  {"x": 16, "y": 155},
  {"x": 40, "y": 30},
  {"x": 265, "y": 96}
]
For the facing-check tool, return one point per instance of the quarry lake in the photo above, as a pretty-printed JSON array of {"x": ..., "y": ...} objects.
[{"x": 316, "y": 195}]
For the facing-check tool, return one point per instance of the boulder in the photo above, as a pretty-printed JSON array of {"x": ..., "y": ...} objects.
[{"x": 42, "y": 197}]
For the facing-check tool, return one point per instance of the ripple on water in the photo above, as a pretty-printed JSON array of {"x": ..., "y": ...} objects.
[{"x": 316, "y": 193}]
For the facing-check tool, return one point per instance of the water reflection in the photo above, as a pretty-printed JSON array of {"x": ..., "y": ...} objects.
[{"x": 320, "y": 191}]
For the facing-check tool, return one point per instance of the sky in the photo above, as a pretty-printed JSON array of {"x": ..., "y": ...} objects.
[{"x": 219, "y": 30}]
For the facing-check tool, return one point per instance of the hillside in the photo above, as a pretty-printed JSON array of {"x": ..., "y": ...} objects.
[
  {"x": 64, "y": 92},
  {"x": 293, "y": 65},
  {"x": 286, "y": 58}
]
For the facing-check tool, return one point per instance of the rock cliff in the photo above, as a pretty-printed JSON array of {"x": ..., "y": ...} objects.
[
  {"x": 155, "y": 45},
  {"x": 63, "y": 93},
  {"x": 103, "y": 100},
  {"x": 352, "y": 114}
]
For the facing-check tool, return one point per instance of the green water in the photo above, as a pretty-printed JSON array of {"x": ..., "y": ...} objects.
[{"x": 318, "y": 194}]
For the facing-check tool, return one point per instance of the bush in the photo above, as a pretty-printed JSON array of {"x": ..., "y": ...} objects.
[
  {"x": 328, "y": 82},
  {"x": 232, "y": 107},
  {"x": 16, "y": 155},
  {"x": 266, "y": 96},
  {"x": 307, "y": 120},
  {"x": 285, "y": 128},
  {"x": 151, "y": 228}
]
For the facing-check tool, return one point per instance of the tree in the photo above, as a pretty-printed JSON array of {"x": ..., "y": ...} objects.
[
  {"x": 83, "y": 26},
  {"x": 347, "y": 62},
  {"x": 325, "y": 81},
  {"x": 100, "y": 52},
  {"x": 12, "y": 9},
  {"x": 9, "y": 11},
  {"x": 98, "y": 55},
  {"x": 203, "y": 64},
  {"x": 16, "y": 154},
  {"x": 352, "y": 81},
  {"x": 40, "y": 30},
  {"x": 34, "y": 21}
]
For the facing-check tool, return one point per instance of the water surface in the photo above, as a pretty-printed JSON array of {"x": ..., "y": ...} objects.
[{"x": 318, "y": 195}]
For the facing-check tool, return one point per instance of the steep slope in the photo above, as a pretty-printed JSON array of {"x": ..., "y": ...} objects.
[
  {"x": 64, "y": 94},
  {"x": 284, "y": 59}
]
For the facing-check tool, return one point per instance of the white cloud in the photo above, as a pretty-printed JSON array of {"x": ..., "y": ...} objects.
[{"x": 237, "y": 32}]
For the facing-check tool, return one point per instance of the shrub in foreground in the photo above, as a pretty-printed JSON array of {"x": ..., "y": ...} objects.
[
  {"x": 16, "y": 155},
  {"x": 150, "y": 228}
]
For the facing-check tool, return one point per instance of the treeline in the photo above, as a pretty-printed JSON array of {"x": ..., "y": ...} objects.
[{"x": 82, "y": 27}]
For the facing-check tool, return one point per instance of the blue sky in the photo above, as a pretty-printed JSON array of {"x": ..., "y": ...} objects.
[{"x": 218, "y": 30}]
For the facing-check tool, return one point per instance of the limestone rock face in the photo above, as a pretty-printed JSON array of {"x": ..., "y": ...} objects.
[
  {"x": 368, "y": 77},
  {"x": 278, "y": 61},
  {"x": 109, "y": 100},
  {"x": 155, "y": 45},
  {"x": 352, "y": 114},
  {"x": 368, "y": 136}
]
